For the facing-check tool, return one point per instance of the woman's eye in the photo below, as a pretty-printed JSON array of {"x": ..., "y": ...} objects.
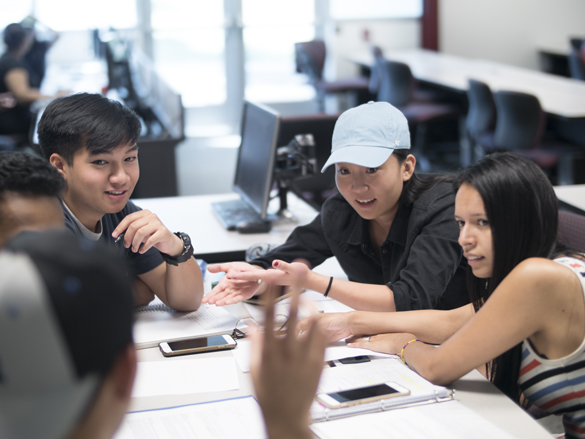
[
  {"x": 483, "y": 222},
  {"x": 460, "y": 224},
  {"x": 343, "y": 171},
  {"x": 371, "y": 170}
]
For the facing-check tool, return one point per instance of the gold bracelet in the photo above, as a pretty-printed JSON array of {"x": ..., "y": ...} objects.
[{"x": 404, "y": 347}]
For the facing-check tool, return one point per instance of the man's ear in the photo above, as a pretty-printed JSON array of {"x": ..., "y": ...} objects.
[
  {"x": 124, "y": 372},
  {"x": 59, "y": 162}
]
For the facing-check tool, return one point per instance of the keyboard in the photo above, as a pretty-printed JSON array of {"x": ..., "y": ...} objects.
[{"x": 232, "y": 212}]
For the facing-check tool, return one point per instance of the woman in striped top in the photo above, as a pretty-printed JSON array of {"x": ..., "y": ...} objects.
[{"x": 527, "y": 319}]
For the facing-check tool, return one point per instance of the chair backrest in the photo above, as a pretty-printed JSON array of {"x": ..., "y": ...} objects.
[
  {"x": 576, "y": 66},
  {"x": 374, "y": 83},
  {"x": 481, "y": 114},
  {"x": 310, "y": 58},
  {"x": 571, "y": 230},
  {"x": 396, "y": 82},
  {"x": 520, "y": 121}
]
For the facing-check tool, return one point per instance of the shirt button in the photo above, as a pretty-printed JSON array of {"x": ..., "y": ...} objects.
[{"x": 384, "y": 250}]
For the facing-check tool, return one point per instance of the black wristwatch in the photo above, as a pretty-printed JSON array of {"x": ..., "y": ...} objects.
[{"x": 187, "y": 251}]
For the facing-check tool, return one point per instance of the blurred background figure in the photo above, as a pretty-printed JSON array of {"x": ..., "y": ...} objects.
[{"x": 15, "y": 78}]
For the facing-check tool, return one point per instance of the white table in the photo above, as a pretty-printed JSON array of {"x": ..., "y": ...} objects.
[
  {"x": 558, "y": 96},
  {"x": 572, "y": 196},
  {"x": 194, "y": 216},
  {"x": 211, "y": 241}
]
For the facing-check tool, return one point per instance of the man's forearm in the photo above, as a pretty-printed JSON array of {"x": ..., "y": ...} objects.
[{"x": 184, "y": 286}]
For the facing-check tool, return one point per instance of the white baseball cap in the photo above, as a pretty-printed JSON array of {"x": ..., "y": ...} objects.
[{"x": 367, "y": 135}]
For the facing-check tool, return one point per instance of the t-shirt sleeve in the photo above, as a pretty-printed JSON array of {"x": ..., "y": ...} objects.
[
  {"x": 139, "y": 263},
  {"x": 305, "y": 242}
]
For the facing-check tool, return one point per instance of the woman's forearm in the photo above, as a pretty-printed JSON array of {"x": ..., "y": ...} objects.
[{"x": 432, "y": 326}]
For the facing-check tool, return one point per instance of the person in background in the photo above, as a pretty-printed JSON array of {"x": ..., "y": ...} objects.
[
  {"x": 15, "y": 79},
  {"x": 29, "y": 195},
  {"x": 91, "y": 141},
  {"x": 67, "y": 360},
  {"x": 35, "y": 59},
  {"x": 391, "y": 230}
]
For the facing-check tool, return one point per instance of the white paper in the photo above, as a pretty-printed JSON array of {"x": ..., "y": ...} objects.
[
  {"x": 234, "y": 418},
  {"x": 243, "y": 354},
  {"x": 185, "y": 376},
  {"x": 152, "y": 327},
  {"x": 438, "y": 421}
]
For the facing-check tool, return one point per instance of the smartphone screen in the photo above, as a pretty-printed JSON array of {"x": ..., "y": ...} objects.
[
  {"x": 362, "y": 393},
  {"x": 203, "y": 342}
]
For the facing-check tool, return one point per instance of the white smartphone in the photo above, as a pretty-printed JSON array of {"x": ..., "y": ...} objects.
[
  {"x": 196, "y": 345},
  {"x": 361, "y": 395}
]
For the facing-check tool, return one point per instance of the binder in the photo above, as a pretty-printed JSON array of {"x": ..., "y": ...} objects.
[{"x": 378, "y": 371}]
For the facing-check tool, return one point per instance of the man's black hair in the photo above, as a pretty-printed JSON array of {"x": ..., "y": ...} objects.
[
  {"x": 27, "y": 174},
  {"x": 89, "y": 121}
]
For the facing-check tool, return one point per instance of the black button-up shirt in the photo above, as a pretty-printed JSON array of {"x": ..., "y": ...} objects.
[{"x": 421, "y": 260}]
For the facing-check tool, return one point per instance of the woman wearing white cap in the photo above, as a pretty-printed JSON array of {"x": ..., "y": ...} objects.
[{"x": 391, "y": 231}]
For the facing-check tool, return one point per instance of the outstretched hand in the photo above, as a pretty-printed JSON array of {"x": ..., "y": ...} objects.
[
  {"x": 285, "y": 371},
  {"x": 229, "y": 290},
  {"x": 284, "y": 273}
]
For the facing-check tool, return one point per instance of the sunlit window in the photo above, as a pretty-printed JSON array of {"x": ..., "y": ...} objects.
[
  {"x": 189, "y": 46},
  {"x": 270, "y": 31},
  {"x": 67, "y": 15}
]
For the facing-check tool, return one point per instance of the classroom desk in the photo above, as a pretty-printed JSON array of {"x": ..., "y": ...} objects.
[
  {"x": 213, "y": 243},
  {"x": 562, "y": 97},
  {"x": 194, "y": 215},
  {"x": 473, "y": 391},
  {"x": 572, "y": 197}
]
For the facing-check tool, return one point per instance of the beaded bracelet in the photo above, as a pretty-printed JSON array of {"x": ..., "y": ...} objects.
[
  {"x": 404, "y": 347},
  {"x": 328, "y": 287}
]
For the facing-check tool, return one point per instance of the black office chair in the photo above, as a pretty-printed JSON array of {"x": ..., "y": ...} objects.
[
  {"x": 310, "y": 60},
  {"x": 577, "y": 60},
  {"x": 520, "y": 124},
  {"x": 397, "y": 86},
  {"x": 481, "y": 115},
  {"x": 571, "y": 230}
]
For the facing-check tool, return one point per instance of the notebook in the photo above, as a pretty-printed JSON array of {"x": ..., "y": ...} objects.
[{"x": 157, "y": 322}]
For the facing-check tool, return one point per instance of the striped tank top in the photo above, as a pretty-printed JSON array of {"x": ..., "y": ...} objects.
[{"x": 558, "y": 386}]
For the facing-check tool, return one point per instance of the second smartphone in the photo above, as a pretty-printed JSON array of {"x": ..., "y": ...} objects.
[
  {"x": 361, "y": 395},
  {"x": 199, "y": 344}
]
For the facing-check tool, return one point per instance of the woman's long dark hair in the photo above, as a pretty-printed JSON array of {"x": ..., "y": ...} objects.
[
  {"x": 416, "y": 186},
  {"x": 522, "y": 210}
]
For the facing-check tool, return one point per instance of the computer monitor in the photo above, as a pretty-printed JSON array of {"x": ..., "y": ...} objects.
[{"x": 256, "y": 156}]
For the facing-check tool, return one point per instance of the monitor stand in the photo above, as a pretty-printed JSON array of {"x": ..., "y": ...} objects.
[{"x": 283, "y": 212}]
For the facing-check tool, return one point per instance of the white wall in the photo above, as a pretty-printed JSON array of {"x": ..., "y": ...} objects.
[
  {"x": 509, "y": 31},
  {"x": 388, "y": 34}
]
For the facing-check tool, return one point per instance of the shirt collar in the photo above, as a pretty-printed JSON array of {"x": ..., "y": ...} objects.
[{"x": 397, "y": 235}]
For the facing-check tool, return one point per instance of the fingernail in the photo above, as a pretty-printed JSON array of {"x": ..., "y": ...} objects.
[{"x": 276, "y": 263}]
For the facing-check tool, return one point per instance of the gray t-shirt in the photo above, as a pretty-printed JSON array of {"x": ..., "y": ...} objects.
[{"x": 139, "y": 263}]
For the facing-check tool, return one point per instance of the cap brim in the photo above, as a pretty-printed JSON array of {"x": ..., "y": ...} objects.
[
  {"x": 50, "y": 415},
  {"x": 366, "y": 156}
]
